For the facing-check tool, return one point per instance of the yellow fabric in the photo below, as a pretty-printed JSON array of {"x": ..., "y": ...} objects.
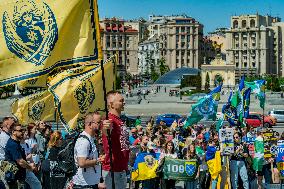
[
  {"x": 79, "y": 91},
  {"x": 144, "y": 172},
  {"x": 55, "y": 33},
  {"x": 214, "y": 165},
  {"x": 36, "y": 82},
  {"x": 36, "y": 107}
]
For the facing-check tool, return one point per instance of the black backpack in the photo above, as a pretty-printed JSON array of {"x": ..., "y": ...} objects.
[{"x": 66, "y": 161}]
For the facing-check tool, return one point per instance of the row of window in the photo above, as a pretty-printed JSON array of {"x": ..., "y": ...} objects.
[
  {"x": 244, "y": 24},
  {"x": 184, "y": 29},
  {"x": 245, "y": 64}
]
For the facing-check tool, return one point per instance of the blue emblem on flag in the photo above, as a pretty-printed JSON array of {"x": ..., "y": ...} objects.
[
  {"x": 30, "y": 31},
  {"x": 190, "y": 168}
]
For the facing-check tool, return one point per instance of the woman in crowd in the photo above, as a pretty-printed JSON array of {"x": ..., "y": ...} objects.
[
  {"x": 50, "y": 164},
  {"x": 191, "y": 155},
  {"x": 169, "y": 151}
]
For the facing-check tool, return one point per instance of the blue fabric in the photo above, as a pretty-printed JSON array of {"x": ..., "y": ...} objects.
[
  {"x": 206, "y": 136},
  {"x": 242, "y": 83},
  {"x": 210, "y": 153},
  {"x": 131, "y": 139},
  {"x": 239, "y": 168},
  {"x": 14, "y": 152},
  {"x": 246, "y": 102}
]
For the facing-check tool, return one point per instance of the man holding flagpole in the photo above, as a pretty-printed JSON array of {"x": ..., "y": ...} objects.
[{"x": 120, "y": 143}]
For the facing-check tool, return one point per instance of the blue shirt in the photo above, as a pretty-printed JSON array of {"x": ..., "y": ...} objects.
[{"x": 14, "y": 152}]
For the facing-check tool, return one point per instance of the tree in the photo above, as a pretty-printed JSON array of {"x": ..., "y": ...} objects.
[
  {"x": 207, "y": 82},
  {"x": 118, "y": 82},
  {"x": 163, "y": 67},
  {"x": 275, "y": 84}
]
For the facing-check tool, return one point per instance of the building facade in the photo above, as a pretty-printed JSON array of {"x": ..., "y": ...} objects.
[
  {"x": 218, "y": 71},
  {"x": 148, "y": 55},
  {"x": 116, "y": 37},
  {"x": 156, "y": 21},
  {"x": 180, "y": 43},
  {"x": 252, "y": 44}
]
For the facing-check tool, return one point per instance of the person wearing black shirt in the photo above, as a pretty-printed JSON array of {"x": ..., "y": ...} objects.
[
  {"x": 238, "y": 165},
  {"x": 14, "y": 153}
]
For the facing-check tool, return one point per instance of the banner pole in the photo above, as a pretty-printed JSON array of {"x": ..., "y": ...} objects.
[
  {"x": 228, "y": 173},
  {"x": 108, "y": 131}
]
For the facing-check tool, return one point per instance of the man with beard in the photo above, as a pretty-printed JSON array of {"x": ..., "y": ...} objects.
[
  {"x": 86, "y": 154},
  {"x": 14, "y": 153}
]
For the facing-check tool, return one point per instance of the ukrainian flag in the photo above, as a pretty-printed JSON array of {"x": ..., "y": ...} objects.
[
  {"x": 38, "y": 36},
  {"x": 214, "y": 163},
  {"x": 145, "y": 166},
  {"x": 35, "y": 107},
  {"x": 79, "y": 91}
]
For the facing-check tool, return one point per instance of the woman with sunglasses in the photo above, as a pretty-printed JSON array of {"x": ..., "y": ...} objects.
[{"x": 237, "y": 164}]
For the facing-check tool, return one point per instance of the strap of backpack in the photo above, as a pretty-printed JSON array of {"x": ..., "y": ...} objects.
[{"x": 90, "y": 150}]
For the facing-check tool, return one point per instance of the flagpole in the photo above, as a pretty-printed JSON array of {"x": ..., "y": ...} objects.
[
  {"x": 263, "y": 109},
  {"x": 108, "y": 131},
  {"x": 96, "y": 38}
]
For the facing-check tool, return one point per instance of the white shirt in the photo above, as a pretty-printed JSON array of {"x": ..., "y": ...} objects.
[
  {"x": 89, "y": 176},
  {"x": 4, "y": 137},
  {"x": 31, "y": 142}
]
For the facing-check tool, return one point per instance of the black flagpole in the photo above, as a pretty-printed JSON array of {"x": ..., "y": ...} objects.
[
  {"x": 93, "y": 17},
  {"x": 108, "y": 131}
]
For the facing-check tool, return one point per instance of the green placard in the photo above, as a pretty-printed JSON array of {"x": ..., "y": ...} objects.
[{"x": 179, "y": 169}]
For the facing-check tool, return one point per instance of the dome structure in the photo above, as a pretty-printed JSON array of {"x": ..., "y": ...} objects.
[{"x": 174, "y": 77}]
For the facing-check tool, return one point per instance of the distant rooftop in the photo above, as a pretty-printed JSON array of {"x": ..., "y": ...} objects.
[{"x": 174, "y": 77}]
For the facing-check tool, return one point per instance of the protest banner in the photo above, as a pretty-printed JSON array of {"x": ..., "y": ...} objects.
[
  {"x": 178, "y": 169},
  {"x": 250, "y": 143},
  {"x": 270, "y": 138},
  {"x": 280, "y": 158},
  {"x": 226, "y": 137}
]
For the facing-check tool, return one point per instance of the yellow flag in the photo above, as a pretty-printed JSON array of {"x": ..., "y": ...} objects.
[
  {"x": 35, "y": 107},
  {"x": 36, "y": 82},
  {"x": 79, "y": 91},
  {"x": 39, "y": 36}
]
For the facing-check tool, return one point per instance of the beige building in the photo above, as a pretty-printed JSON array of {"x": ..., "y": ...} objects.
[
  {"x": 253, "y": 46},
  {"x": 155, "y": 23},
  {"x": 116, "y": 37},
  {"x": 180, "y": 43},
  {"x": 218, "y": 70}
]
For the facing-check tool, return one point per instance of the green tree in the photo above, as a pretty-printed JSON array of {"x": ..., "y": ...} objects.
[
  {"x": 118, "y": 82},
  {"x": 163, "y": 67},
  {"x": 275, "y": 84},
  {"x": 207, "y": 82}
]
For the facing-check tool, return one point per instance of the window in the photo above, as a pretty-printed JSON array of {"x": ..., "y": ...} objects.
[
  {"x": 235, "y": 24},
  {"x": 177, "y": 29},
  {"x": 244, "y": 24},
  {"x": 252, "y": 23}
]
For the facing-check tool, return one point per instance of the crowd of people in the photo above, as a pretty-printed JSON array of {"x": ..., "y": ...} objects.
[{"x": 104, "y": 154}]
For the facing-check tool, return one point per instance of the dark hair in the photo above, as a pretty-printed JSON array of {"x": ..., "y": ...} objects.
[
  {"x": 30, "y": 127},
  {"x": 166, "y": 149},
  {"x": 192, "y": 154}
]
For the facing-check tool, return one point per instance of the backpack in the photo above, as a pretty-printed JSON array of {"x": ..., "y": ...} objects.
[{"x": 66, "y": 161}]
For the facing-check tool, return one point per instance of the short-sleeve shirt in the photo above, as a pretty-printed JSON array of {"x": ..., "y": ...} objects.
[
  {"x": 120, "y": 146},
  {"x": 4, "y": 137},
  {"x": 91, "y": 175},
  {"x": 14, "y": 152}
]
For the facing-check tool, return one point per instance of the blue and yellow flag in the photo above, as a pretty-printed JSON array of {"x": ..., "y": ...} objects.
[
  {"x": 79, "y": 91},
  {"x": 35, "y": 107},
  {"x": 38, "y": 36},
  {"x": 145, "y": 166}
]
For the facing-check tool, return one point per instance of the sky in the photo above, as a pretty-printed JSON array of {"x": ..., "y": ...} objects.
[{"x": 211, "y": 13}]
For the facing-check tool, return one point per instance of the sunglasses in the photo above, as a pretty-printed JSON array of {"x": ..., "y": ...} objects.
[{"x": 20, "y": 130}]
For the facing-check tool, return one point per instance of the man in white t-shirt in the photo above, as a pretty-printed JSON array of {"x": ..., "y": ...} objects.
[{"x": 86, "y": 155}]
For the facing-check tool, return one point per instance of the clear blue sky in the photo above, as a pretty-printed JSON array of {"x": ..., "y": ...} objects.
[{"x": 211, "y": 13}]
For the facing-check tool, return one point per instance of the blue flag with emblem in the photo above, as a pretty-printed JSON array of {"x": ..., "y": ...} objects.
[
  {"x": 204, "y": 108},
  {"x": 38, "y": 36}
]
